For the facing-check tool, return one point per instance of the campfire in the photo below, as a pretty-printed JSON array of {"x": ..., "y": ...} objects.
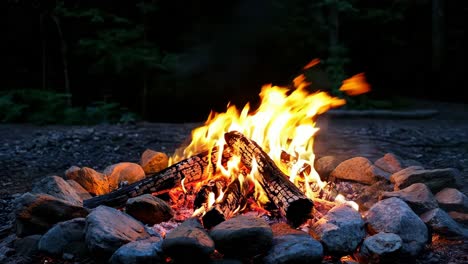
[
  {"x": 248, "y": 177},
  {"x": 265, "y": 155}
]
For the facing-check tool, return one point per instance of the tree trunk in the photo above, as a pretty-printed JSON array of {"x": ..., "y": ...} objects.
[{"x": 63, "y": 51}]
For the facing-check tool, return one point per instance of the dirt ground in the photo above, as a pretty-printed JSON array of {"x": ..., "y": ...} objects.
[{"x": 29, "y": 152}]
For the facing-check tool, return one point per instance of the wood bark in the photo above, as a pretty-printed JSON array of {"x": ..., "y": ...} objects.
[
  {"x": 292, "y": 203},
  {"x": 190, "y": 170},
  {"x": 232, "y": 202}
]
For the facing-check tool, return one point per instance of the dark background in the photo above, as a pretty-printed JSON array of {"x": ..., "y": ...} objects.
[{"x": 173, "y": 61}]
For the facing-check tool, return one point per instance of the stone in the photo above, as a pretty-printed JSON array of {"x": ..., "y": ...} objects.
[
  {"x": 107, "y": 229},
  {"x": 65, "y": 238},
  {"x": 37, "y": 213},
  {"x": 461, "y": 218},
  {"x": 139, "y": 252},
  {"x": 436, "y": 180},
  {"x": 340, "y": 231},
  {"x": 80, "y": 191},
  {"x": 451, "y": 199},
  {"x": 149, "y": 209},
  {"x": 359, "y": 169},
  {"x": 92, "y": 181},
  {"x": 128, "y": 172},
  {"x": 190, "y": 238},
  {"x": 380, "y": 248},
  {"x": 294, "y": 248},
  {"x": 27, "y": 246},
  {"x": 281, "y": 229},
  {"x": 232, "y": 236},
  {"x": 325, "y": 165},
  {"x": 393, "y": 215},
  {"x": 392, "y": 163},
  {"x": 404, "y": 171},
  {"x": 57, "y": 187},
  {"x": 417, "y": 196},
  {"x": 367, "y": 196},
  {"x": 441, "y": 223},
  {"x": 152, "y": 161}
]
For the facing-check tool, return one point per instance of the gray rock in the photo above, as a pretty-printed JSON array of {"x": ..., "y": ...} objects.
[
  {"x": 82, "y": 193},
  {"x": 149, "y": 209},
  {"x": 417, "y": 196},
  {"x": 325, "y": 165},
  {"x": 107, "y": 229},
  {"x": 36, "y": 213},
  {"x": 65, "y": 238},
  {"x": 380, "y": 248},
  {"x": 139, "y": 252},
  {"x": 232, "y": 236},
  {"x": 436, "y": 180},
  {"x": 57, "y": 187},
  {"x": 294, "y": 248},
  {"x": 341, "y": 230},
  {"x": 441, "y": 223},
  {"x": 359, "y": 169},
  {"x": 393, "y": 215},
  {"x": 190, "y": 238},
  {"x": 451, "y": 199},
  {"x": 27, "y": 246}
]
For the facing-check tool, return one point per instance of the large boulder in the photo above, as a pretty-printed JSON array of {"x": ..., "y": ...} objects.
[{"x": 294, "y": 248}]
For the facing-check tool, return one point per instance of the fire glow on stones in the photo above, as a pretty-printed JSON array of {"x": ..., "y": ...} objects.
[{"x": 283, "y": 125}]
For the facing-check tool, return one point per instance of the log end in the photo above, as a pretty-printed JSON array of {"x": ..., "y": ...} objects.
[
  {"x": 299, "y": 211},
  {"x": 212, "y": 218}
]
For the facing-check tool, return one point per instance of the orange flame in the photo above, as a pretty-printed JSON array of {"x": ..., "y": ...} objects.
[
  {"x": 355, "y": 85},
  {"x": 284, "y": 122}
]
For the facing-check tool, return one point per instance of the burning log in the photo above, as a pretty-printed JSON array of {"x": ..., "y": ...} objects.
[
  {"x": 290, "y": 200},
  {"x": 232, "y": 202},
  {"x": 190, "y": 170}
]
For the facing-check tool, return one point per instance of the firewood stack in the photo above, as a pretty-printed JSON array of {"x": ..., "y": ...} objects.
[{"x": 291, "y": 202}]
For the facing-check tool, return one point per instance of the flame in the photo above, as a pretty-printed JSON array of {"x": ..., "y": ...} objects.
[
  {"x": 284, "y": 122},
  {"x": 355, "y": 85}
]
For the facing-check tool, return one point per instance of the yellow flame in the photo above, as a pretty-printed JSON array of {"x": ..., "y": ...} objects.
[{"x": 284, "y": 122}]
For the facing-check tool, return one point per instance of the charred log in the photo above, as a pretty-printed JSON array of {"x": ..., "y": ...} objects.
[
  {"x": 233, "y": 201},
  {"x": 292, "y": 203},
  {"x": 190, "y": 170}
]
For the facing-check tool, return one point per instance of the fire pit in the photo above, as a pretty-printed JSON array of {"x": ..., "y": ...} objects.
[{"x": 248, "y": 188}]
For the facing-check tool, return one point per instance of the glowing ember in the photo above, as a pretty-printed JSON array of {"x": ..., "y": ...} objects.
[{"x": 283, "y": 123}]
